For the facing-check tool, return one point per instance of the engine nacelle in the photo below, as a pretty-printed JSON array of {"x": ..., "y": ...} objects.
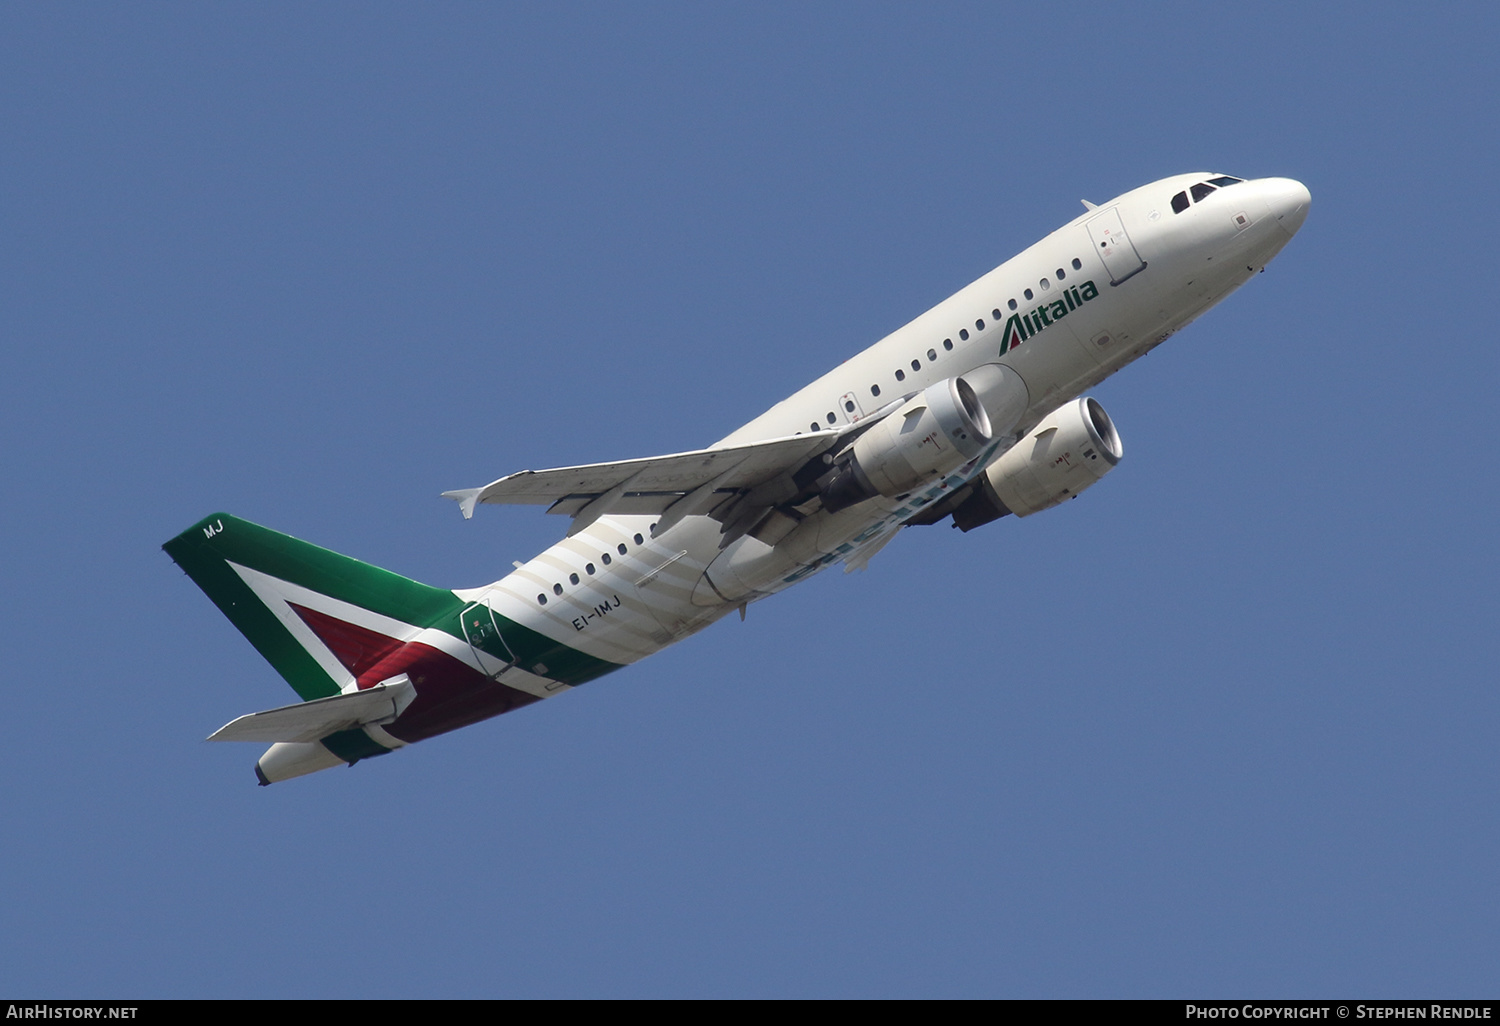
[
  {"x": 932, "y": 433},
  {"x": 1073, "y": 447}
]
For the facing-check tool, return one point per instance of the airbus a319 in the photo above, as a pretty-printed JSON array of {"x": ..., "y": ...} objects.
[{"x": 971, "y": 412}]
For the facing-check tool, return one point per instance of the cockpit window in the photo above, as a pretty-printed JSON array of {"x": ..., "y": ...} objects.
[
  {"x": 1179, "y": 203},
  {"x": 1224, "y": 180},
  {"x": 1201, "y": 191}
]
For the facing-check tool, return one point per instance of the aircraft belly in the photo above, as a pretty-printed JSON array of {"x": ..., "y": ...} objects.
[
  {"x": 673, "y": 602},
  {"x": 749, "y": 569}
]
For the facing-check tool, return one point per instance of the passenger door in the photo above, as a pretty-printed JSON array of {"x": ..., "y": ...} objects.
[{"x": 1114, "y": 246}]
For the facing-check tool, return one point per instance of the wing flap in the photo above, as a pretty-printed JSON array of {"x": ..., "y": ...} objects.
[
  {"x": 650, "y": 485},
  {"x": 646, "y": 503}
]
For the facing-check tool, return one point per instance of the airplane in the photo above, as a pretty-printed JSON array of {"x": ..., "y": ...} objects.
[{"x": 971, "y": 412}]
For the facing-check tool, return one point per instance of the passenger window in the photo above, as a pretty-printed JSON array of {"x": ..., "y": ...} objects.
[
  {"x": 979, "y": 324},
  {"x": 1029, "y": 294},
  {"x": 901, "y": 375},
  {"x": 947, "y": 343},
  {"x": 831, "y": 417},
  {"x": 931, "y": 355},
  {"x": 1201, "y": 191},
  {"x": 541, "y": 600},
  {"x": 916, "y": 365},
  {"x": 604, "y": 558},
  {"x": 557, "y": 589},
  {"x": 588, "y": 568},
  {"x": 1077, "y": 264},
  {"x": 1061, "y": 274},
  {"x": 639, "y": 541},
  {"x": 1011, "y": 304},
  {"x": 848, "y": 405},
  {"x": 874, "y": 389},
  {"x": 1046, "y": 284},
  {"x": 573, "y": 578},
  {"x": 1179, "y": 203},
  {"x": 815, "y": 427},
  {"x": 963, "y": 333},
  {"x": 620, "y": 548}
]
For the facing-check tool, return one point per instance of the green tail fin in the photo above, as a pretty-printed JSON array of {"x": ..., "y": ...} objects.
[{"x": 260, "y": 580}]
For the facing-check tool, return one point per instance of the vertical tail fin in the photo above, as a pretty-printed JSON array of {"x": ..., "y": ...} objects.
[
  {"x": 337, "y": 629},
  {"x": 321, "y": 619}
]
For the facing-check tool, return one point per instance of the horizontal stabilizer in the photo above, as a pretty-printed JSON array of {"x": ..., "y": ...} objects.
[{"x": 310, "y": 721}]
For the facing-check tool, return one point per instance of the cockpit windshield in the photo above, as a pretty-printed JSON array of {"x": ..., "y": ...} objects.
[{"x": 1201, "y": 190}]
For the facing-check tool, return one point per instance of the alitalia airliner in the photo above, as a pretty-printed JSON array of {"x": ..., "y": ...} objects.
[{"x": 973, "y": 411}]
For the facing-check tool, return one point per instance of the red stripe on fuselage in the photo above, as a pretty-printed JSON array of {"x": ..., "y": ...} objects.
[{"x": 450, "y": 692}]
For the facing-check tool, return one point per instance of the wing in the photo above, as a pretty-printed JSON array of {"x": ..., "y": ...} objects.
[{"x": 737, "y": 485}]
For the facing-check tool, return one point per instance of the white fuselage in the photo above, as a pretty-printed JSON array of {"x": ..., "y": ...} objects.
[{"x": 627, "y": 593}]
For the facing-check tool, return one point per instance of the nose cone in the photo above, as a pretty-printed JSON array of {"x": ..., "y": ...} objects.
[{"x": 1288, "y": 201}]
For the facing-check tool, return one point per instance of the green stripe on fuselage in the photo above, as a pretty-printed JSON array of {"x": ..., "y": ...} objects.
[{"x": 533, "y": 650}]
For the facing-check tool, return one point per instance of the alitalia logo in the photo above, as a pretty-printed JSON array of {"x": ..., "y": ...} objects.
[{"x": 1021, "y": 326}]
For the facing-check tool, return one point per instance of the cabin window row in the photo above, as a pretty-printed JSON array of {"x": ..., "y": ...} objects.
[
  {"x": 590, "y": 569},
  {"x": 963, "y": 335},
  {"x": 1044, "y": 285}
]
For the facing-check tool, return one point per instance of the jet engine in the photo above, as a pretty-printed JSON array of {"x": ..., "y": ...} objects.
[
  {"x": 1074, "y": 446},
  {"x": 934, "y": 432}
]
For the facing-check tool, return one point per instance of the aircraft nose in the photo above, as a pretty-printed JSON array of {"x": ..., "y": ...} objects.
[{"x": 1288, "y": 201}]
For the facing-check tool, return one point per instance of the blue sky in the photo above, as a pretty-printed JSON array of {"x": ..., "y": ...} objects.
[{"x": 1223, "y": 727}]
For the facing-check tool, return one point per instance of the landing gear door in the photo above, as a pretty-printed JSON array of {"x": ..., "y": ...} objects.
[
  {"x": 1114, "y": 246},
  {"x": 483, "y": 635}
]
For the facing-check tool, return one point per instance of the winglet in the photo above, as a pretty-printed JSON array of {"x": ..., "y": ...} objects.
[
  {"x": 466, "y": 499},
  {"x": 1089, "y": 206}
]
